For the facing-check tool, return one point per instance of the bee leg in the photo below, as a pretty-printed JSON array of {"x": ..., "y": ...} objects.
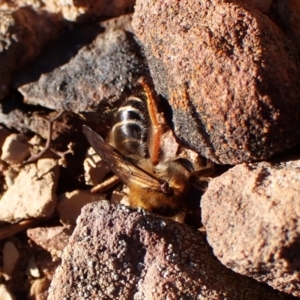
[
  {"x": 205, "y": 172},
  {"x": 203, "y": 175},
  {"x": 156, "y": 120}
]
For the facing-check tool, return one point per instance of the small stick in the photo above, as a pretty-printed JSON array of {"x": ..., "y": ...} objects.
[
  {"x": 50, "y": 122},
  {"x": 106, "y": 185},
  {"x": 62, "y": 155},
  {"x": 10, "y": 230}
]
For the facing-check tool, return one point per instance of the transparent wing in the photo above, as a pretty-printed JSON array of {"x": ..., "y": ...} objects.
[{"x": 128, "y": 172}]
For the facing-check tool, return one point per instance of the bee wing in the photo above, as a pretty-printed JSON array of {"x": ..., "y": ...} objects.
[{"x": 127, "y": 171}]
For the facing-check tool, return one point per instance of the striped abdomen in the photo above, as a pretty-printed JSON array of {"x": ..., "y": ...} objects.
[{"x": 129, "y": 134}]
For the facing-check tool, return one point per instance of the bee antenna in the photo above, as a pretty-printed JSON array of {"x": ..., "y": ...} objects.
[{"x": 165, "y": 188}]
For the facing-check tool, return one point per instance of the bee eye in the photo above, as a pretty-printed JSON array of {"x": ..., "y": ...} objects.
[{"x": 165, "y": 188}]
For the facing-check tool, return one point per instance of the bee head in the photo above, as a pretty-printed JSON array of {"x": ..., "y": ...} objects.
[{"x": 165, "y": 188}]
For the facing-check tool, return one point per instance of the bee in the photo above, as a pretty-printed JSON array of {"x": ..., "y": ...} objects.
[{"x": 157, "y": 184}]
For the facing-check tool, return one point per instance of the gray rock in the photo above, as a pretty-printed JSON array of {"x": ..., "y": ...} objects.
[
  {"x": 229, "y": 74},
  {"x": 23, "y": 33},
  {"x": 27, "y": 26},
  {"x": 94, "y": 79},
  {"x": 9, "y": 49},
  {"x": 117, "y": 253},
  {"x": 251, "y": 215}
]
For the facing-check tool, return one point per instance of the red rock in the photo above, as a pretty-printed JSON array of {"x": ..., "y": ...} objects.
[
  {"x": 118, "y": 253},
  {"x": 52, "y": 239},
  {"x": 251, "y": 215},
  {"x": 229, "y": 74}
]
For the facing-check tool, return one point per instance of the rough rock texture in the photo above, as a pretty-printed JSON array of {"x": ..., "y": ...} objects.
[
  {"x": 36, "y": 182},
  {"x": 116, "y": 253},
  {"x": 22, "y": 121},
  {"x": 74, "y": 10},
  {"x": 229, "y": 100},
  {"x": 9, "y": 50},
  {"x": 52, "y": 239},
  {"x": 95, "y": 78},
  {"x": 23, "y": 32},
  {"x": 27, "y": 25},
  {"x": 251, "y": 214}
]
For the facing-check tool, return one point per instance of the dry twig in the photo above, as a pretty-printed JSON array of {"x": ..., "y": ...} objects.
[
  {"x": 106, "y": 185},
  {"x": 62, "y": 155},
  {"x": 35, "y": 157},
  {"x": 12, "y": 229}
]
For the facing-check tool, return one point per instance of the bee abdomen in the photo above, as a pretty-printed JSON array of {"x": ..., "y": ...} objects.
[{"x": 131, "y": 128}]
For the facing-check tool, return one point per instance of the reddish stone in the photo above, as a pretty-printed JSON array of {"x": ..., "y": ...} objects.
[
  {"x": 118, "y": 253},
  {"x": 230, "y": 75},
  {"x": 251, "y": 215}
]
